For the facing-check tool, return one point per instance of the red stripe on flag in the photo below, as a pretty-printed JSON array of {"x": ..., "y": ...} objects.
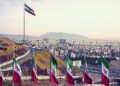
[
  {"x": 69, "y": 79},
  {"x": 34, "y": 78},
  {"x": 53, "y": 79},
  {"x": 16, "y": 77},
  {"x": 87, "y": 79},
  {"x": 1, "y": 81},
  {"x": 105, "y": 80},
  {"x": 30, "y": 12}
]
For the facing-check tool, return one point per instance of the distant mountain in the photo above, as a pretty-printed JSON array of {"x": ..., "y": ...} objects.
[
  {"x": 50, "y": 35},
  {"x": 60, "y": 35}
]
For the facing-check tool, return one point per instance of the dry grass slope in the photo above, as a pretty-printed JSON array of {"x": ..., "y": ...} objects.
[
  {"x": 42, "y": 59},
  {"x": 8, "y": 44},
  {"x": 115, "y": 64}
]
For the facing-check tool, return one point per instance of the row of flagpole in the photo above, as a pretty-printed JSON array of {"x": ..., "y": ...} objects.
[
  {"x": 104, "y": 71},
  {"x": 17, "y": 72}
]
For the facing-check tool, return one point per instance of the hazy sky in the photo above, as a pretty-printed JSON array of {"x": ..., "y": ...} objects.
[{"x": 92, "y": 18}]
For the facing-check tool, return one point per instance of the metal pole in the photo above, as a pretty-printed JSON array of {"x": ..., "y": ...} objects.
[
  {"x": 101, "y": 71},
  {"x": 24, "y": 23},
  {"x": 66, "y": 67},
  {"x": 32, "y": 65},
  {"x": 85, "y": 63},
  {"x": 50, "y": 69},
  {"x": 13, "y": 65}
]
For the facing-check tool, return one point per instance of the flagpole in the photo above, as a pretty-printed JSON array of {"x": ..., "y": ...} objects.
[
  {"x": 24, "y": 23},
  {"x": 32, "y": 64},
  {"x": 85, "y": 62},
  {"x": 13, "y": 64},
  {"x": 50, "y": 69},
  {"x": 66, "y": 69},
  {"x": 101, "y": 70}
]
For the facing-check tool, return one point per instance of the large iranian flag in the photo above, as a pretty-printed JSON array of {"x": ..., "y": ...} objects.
[
  {"x": 16, "y": 72},
  {"x": 53, "y": 67},
  {"x": 34, "y": 77},
  {"x": 69, "y": 78},
  {"x": 1, "y": 78},
  {"x": 105, "y": 72},
  {"x": 29, "y": 10}
]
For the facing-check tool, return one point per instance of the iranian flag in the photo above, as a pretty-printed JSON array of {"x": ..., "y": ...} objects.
[
  {"x": 1, "y": 78},
  {"x": 16, "y": 72},
  {"x": 105, "y": 72},
  {"x": 34, "y": 77},
  {"x": 53, "y": 67},
  {"x": 69, "y": 78},
  {"x": 29, "y": 10}
]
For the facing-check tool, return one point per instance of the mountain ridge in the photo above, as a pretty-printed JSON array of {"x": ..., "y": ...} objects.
[
  {"x": 61, "y": 35},
  {"x": 49, "y": 35}
]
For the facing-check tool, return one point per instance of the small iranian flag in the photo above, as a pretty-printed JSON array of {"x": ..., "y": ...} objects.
[
  {"x": 1, "y": 78},
  {"x": 105, "y": 72},
  {"x": 16, "y": 72},
  {"x": 69, "y": 78},
  {"x": 53, "y": 67},
  {"x": 34, "y": 72}
]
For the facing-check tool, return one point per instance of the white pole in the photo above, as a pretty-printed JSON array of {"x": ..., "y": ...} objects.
[
  {"x": 85, "y": 61},
  {"x": 13, "y": 63},
  {"x": 32, "y": 64},
  {"x": 24, "y": 23},
  {"x": 84, "y": 64},
  {"x": 50, "y": 69},
  {"x": 101, "y": 71}
]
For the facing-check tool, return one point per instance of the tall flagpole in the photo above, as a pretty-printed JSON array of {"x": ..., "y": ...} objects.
[{"x": 24, "y": 22}]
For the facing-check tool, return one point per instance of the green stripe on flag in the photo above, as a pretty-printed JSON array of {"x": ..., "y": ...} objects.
[
  {"x": 105, "y": 62},
  {"x": 17, "y": 62},
  {"x": 70, "y": 63},
  {"x": 54, "y": 61},
  {"x": 33, "y": 60}
]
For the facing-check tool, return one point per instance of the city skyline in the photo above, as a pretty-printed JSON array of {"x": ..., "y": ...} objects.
[{"x": 94, "y": 19}]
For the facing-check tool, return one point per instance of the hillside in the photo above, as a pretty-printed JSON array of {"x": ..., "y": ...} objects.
[
  {"x": 42, "y": 59},
  {"x": 7, "y": 46},
  {"x": 115, "y": 64}
]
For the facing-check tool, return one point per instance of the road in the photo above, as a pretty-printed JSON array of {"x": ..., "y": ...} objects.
[
  {"x": 8, "y": 65},
  {"x": 28, "y": 55}
]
